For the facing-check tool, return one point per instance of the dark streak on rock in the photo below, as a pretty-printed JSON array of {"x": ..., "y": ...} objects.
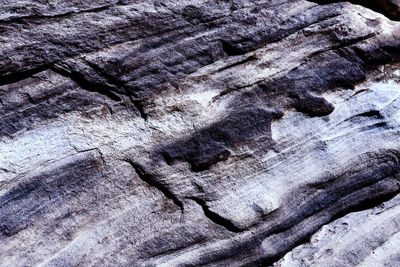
[
  {"x": 19, "y": 76},
  {"x": 387, "y": 8},
  {"x": 84, "y": 83},
  {"x": 42, "y": 17},
  {"x": 41, "y": 194},
  {"x": 311, "y": 105},
  {"x": 213, "y": 144}
]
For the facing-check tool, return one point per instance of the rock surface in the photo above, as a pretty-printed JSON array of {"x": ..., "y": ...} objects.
[{"x": 187, "y": 133}]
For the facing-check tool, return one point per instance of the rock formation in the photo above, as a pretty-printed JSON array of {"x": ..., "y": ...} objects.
[{"x": 190, "y": 133}]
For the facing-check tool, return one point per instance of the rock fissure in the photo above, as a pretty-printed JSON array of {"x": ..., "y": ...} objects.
[
  {"x": 215, "y": 217},
  {"x": 149, "y": 179}
]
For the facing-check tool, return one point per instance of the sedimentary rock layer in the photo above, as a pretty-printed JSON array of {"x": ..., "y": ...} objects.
[{"x": 186, "y": 133}]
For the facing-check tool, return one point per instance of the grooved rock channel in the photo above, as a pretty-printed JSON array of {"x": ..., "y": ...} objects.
[{"x": 199, "y": 133}]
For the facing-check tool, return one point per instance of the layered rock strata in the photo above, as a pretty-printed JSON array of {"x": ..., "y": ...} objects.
[{"x": 187, "y": 133}]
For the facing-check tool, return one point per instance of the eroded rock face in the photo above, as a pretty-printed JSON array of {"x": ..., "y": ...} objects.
[{"x": 186, "y": 133}]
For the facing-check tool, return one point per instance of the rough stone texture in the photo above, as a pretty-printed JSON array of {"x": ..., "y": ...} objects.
[{"x": 187, "y": 133}]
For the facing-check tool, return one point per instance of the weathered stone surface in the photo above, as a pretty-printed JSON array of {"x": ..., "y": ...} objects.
[{"x": 186, "y": 133}]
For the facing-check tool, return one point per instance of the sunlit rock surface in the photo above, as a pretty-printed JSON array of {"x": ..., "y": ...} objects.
[{"x": 187, "y": 133}]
